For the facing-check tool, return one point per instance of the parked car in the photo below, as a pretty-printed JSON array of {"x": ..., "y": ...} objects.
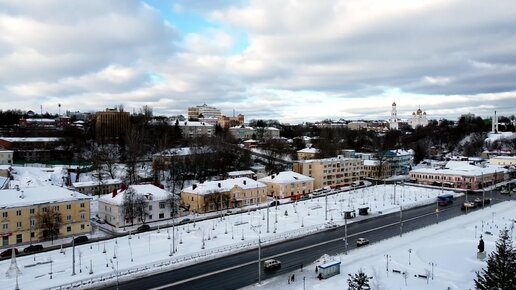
[
  {"x": 271, "y": 264},
  {"x": 80, "y": 239},
  {"x": 505, "y": 191},
  {"x": 362, "y": 242},
  {"x": 184, "y": 221},
  {"x": 33, "y": 248},
  {"x": 274, "y": 203},
  {"x": 9, "y": 252},
  {"x": 143, "y": 228}
]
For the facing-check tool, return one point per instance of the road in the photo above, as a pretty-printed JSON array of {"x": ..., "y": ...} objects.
[{"x": 239, "y": 270}]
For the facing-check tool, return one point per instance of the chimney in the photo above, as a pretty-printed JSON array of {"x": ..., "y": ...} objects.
[
  {"x": 22, "y": 196},
  {"x": 114, "y": 193},
  {"x": 194, "y": 186},
  {"x": 272, "y": 176},
  {"x": 220, "y": 185},
  {"x": 244, "y": 182}
]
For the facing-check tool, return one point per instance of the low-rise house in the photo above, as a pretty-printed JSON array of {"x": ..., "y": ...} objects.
[
  {"x": 242, "y": 132},
  {"x": 242, "y": 173},
  {"x": 459, "y": 174},
  {"x": 100, "y": 187},
  {"x": 157, "y": 205},
  {"x": 308, "y": 153},
  {"x": 20, "y": 208},
  {"x": 223, "y": 194},
  {"x": 193, "y": 129},
  {"x": 503, "y": 160},
  {"x": 288, "y": 184}
]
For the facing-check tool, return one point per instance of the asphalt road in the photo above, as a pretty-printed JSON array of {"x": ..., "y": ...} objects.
[{"x": 239, "y": 270}]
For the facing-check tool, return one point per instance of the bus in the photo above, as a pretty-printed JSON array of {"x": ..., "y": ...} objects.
[{"x": 445, "y": 199}]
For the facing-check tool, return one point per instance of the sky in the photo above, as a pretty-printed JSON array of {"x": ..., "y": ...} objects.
[{"x": 288, "y": 60}]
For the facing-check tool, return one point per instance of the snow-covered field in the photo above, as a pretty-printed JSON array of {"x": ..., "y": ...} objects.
[
  {"x": 152, "y": 251},
  {"x": 450, "y": 246}
]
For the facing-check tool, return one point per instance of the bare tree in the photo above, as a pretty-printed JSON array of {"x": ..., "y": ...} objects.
[
  {"x": 134, "y": 150},
  {"x": 129, "y": 205},
  {"x": 49, "y": 221},
  {"x": 141, "y": 208}
]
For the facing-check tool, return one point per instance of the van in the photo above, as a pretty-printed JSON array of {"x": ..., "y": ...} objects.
[
  {"x": 271, "y": 264},
  {"x": 80, "y": 239}
]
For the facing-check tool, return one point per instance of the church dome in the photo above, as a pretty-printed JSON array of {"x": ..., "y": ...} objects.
[
  {"x": 394, "y": 104},
  {"x": 418, "y": 112}
]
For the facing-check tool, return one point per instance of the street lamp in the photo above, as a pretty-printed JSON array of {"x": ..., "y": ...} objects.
[
  {"x": 401, "y": 223},
  {"x": 409, "y": 251},
  {"x": 116, "y": 271}
]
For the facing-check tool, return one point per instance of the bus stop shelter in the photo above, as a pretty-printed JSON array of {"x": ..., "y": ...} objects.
[{"x": 329, "y": 269}]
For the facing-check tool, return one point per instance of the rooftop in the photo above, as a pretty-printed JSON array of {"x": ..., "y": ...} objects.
[
  {"x": 38, "y": 195},
  {"x": 209, "y": 187}
]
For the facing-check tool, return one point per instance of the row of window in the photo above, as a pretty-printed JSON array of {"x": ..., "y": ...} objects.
[{"x": 32, "y": 211}]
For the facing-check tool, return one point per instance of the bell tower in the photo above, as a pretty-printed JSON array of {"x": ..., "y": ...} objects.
[{"x": 393, "y": 122}]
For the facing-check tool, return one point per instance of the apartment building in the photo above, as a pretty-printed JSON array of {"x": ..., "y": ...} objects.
[
  {"x": 110, "y": 206},
  {"x": 6, "y": 157},
  {"x": 100, "y": 187},
  {"x": 308, "y": 153},
  {"x": 111, "y": 125},
  {"x": 288, "y": 184},
  {"x": 20, "y": 207},
  {"x": 223, "y": 194},
  {"x": 204, "y": 111},
  {"x": 503, "y": 160},
  {"x": 193, "y": 129},
  {"x": 335, "y": 171},
  {"x": 226, "y": 122}
]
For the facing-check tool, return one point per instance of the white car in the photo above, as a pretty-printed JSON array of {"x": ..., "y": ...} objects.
[
  {"x": 362, "y": 242},
  {"x": 271, "y": 264}
]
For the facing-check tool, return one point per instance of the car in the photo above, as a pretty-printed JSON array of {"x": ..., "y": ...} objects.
[
  {"x": 468, "y": 205},
  {"x": 33, "y": 248},
  {"x": 9, "y": 252},
  {"x": 505, "y": 191},
  {"x": 80, "y": 239},
  {"x": 362, "y": 242},
  {"x": 143, "y": 228},
  {"x": 184, "y": 221},
  {"x": 271, "y": 264},
  {"x": 101, "y": 221},
  {"x": 274, "y": 203}
]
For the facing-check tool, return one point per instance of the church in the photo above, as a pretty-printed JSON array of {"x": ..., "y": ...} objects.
[{"x": 418, "y": 118}]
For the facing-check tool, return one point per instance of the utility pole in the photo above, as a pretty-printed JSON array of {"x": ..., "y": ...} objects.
[
  {"x": 259, "y": 261},
  {"x": 401, "y": 223},
  {"x": 326, "y": 206},
  {"x": 268, "y": 217},
  {"x": 345, "y": 234},
  {"x": 73, "y": 255}
]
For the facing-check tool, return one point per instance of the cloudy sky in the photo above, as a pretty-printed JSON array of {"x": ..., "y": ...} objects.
[{"x": 290, "y": 60}]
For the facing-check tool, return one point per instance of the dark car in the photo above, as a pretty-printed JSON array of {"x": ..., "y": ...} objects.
[
  {"x": 8, "y": 252},
  {"x": 143, "y": 228},
  {"x": 274, "y": 203},
  {"x": 184, "y": 221},
  {"x": 80, "y": 239},
  {"x": 33, "y": 248}
]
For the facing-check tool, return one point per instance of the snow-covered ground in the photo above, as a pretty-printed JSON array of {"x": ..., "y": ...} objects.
[
  {"x": 152, "y": 251},
  {"x": 450, "y": 246}
]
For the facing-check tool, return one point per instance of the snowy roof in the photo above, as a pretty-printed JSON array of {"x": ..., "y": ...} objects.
[
  {"x": 225, "y": 185},
  {"x": 250, "y": 141},
  {"x": 5, "y": 167},
  {"x": 241, "y": 172},
  {"x": 466, "y": 170},
  {"x": 491, "y": 137},
  {"x": 194, "y": 124},
  {"x": 286, "y": 177},
  {"x": 399, "y": 152},
  {"x": 38, "y": 195},
  {"x": 96, "y": 182},
  {"x": 309, "y": 150},
  {"x": 140, "y": 189},
  {"x": 31, "y": 139},
  {"x": 272, "y": 129},
  {"x": 331, "y": 159},
  {"x": 40, "y": 120},
  {"x": 183, "y": 151},
  {"x": 504, "y": 157},
  {"x": 368, "y": 162}
]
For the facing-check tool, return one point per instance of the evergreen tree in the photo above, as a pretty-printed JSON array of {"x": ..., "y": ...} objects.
[
  {"x": 501, "y": 266},
  {"x": 359, "y": 281}
]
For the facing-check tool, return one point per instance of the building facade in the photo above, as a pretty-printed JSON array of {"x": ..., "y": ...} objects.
[
  {"x": 97, "y": 187},
  {"x": 204, "y": 111},
  {"x": 335, "y": 171},
  {"x": 158, "y": 207},
  {"x": 503, "y": 160},
  {"x": 20, "y": 208},
  {"x": 223, "y": 194},
  {"x": 193, "y": 129},
  {"x": 288, "y": 184},
  {"x": 308, "y": 153},
  {"x": 226, "y": 122},
  {"x": 6, "y": 157},
  {"x": 393, "y": 121},
  {"x": 111, "y": 125},
  {"x": 468, "y": 177},
  {"x": 34, "y": 148}
]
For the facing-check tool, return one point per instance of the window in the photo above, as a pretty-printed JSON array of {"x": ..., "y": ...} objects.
[
  {"x": 150, "y": 217},
  {"x": 32, "y": 211},
  {"x": 18, "y": 213},
  {"x": 18, "y": 238},
  {"x": 161, "y": 205},
  {"x": 161, "y": 215},
  {"x": 45, "y": 209},
  {"x": 82, "y": 204},
  {"x": 83, "y": 215},
  {"x": 68, "y": 218},
  {"x": 32, "y": 222},
  {"x": 5, "y": 226},
  {"x": 82, "y": 226},
  {"x": 68, "y": 206},
  {"x": 150, "y": 206},
  {"x": 68, "y": 228},
  {"x": 32, "y": 235},
  {"x": 56, "y": 208},
  {"x": 18, "y": 225},
  {"x": 5, "y": 214}
]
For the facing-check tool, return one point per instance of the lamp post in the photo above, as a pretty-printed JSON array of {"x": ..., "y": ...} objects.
[
  {"x": 73, "y": 255},
  {"x": 409, "y": 252},
  {"x": 345, "y": 234},
  {"x": 116, "y": 271},
  {"x": 387, "y": 258},
  {"x": 483, "y": 190},
  {"x": 401, "y": 223},
  {"x": 326, "y": 206}
]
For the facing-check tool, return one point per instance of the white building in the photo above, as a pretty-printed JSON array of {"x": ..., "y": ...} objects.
[
  {"x": 204, "y": 111},
  {"x": 192, "y": 129},
  {"x": 418, "y": 119},
  {"x": 110, "y": 206},
  {"x": 6, "y": 157},
  {"x": 393, "y": 121}
]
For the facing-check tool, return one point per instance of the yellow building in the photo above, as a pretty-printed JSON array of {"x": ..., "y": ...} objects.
[
  {"x": 503, "y": 160},
  {"x": 288, "y": 184},
  {"x": 335, "y": 171},
  {"x": 308, "y": 153},
  {"x": 223, "y": 194},
  {"x": 19, "y": 209}
]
